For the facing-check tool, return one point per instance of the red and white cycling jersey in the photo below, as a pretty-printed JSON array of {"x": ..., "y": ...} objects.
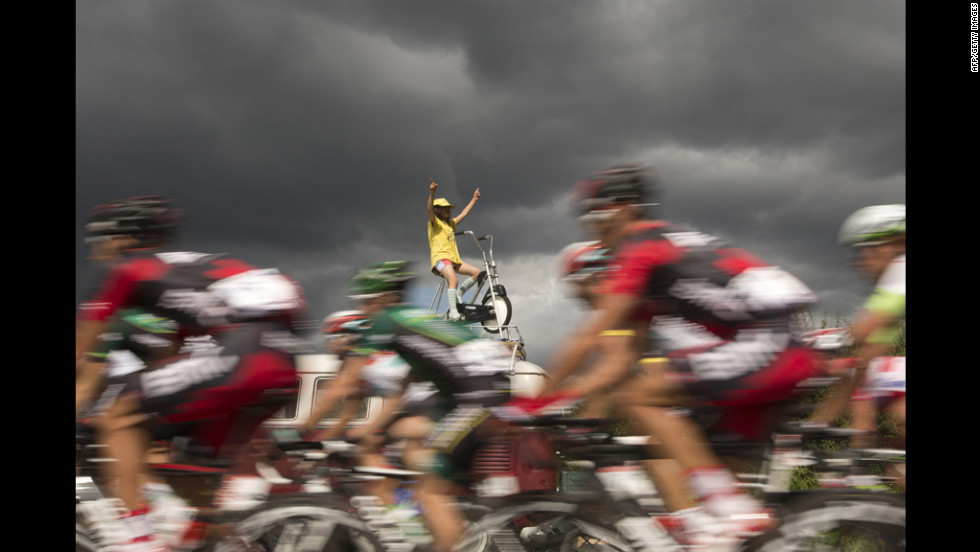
[
  {"x": 724, "y": 315},
  {"x": 884, "y": 379},
  {"x": 199, "y": 291}
]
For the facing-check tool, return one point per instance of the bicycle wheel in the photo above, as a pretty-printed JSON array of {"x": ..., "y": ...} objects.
[
  {"x": 847, "y": 521},
  {"x": 540, "y": 527},
  {"x": 503, "y": 309},
  {"x": 582, "y": 538},
  {"x": 308, "y": 524}
]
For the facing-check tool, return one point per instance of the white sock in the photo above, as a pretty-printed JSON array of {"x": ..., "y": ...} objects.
[{"x": 452, "y": 300}]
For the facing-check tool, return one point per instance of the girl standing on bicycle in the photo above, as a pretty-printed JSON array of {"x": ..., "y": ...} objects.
[{"x": 444, "y": 255}]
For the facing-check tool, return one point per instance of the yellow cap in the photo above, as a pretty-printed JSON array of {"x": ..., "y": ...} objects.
[{"x": 441, "y": 202}]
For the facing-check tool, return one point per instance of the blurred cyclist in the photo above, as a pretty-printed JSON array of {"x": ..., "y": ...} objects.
[
  {"x": 725, "y": 318},
  {"x": 467, "y": 371},
  {"x": 874, "y": 380},
  {"x": 583, "y": 265},
  {"x": 339, "y": 332},
  {"x": 444, "y": 256},
  {"x": 252, "y": 315}
]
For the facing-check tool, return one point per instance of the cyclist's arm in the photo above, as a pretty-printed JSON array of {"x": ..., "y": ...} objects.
[
  {"x": 346, "y": 383},
  {"x": 572, "y": 353},
  {"x": 390, "y": 406},
  {"x": 89, "y": 376},
  {"x": 868, "y": 324},
  {"x": 618, "y": 351},
  {"x": 86, "y": 335},
  {"x": 114, "y": 293},
  {"x": 351, "y": 405}
]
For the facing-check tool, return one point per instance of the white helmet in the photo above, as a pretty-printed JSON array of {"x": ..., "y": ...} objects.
[{"x": 871, "y": 225}]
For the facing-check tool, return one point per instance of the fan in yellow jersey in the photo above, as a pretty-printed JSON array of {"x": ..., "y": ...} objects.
[{"x": 444, "y": 256}]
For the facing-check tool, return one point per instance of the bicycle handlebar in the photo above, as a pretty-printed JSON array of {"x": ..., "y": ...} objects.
[{"x": 470, "y": 232}]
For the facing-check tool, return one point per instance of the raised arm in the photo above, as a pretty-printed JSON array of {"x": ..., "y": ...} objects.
[
  {"x": 432, "y": 196},
  {"x": 469, "y": 207}
]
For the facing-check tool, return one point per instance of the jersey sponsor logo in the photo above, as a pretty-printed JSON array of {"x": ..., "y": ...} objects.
[
  {"x": 674, "y": 332},
  {"x": 483, "y": 357},
  {"x": 455, "y": 426},
  {"x": 751, "y": 351},
  {"x": 107, "y": 337},
  {"x": 432, "y": 351},
  {"x": 151, "y": 340},
  {"x": 724, "y": 303},
  {"x": 689, "y": 240},
  {"x": 180, "y": 257},
  {"x": 190, "y": 301},
  {"x": 185, "y": 373}
]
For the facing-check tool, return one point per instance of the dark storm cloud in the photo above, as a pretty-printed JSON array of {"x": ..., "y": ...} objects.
[{"x": 303, "y": 134}]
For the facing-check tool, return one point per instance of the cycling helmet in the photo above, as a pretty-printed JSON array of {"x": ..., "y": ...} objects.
[
  {"x": 344, "y": 322},
  {"x": 617, "y": 186},
  {"x": 581, "y": 260},
  {"x": 378, "y": 278},
  {"x": 152, "y": 220},
  {"x": 872, "y": 225}
]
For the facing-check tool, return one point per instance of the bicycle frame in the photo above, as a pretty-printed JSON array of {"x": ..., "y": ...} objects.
[{"x": 492, "y": 281}]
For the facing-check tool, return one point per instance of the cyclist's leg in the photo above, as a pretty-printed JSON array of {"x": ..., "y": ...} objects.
[
  {"x": 650, "y": 400},
  {"x": 863, "y": 411},
  {"x": 412, "y": 430},
  {"x": 449, "y": 453},
  {"x": 443, "y": 515},
  {"x": 896, "y": 410},
  {"x": 126, "y": 441},
  {"x": 632, "y": 401},
  {"x": 674, "y": 384}
]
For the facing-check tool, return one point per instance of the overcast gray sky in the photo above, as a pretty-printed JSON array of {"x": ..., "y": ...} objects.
[{"x": 303, "y": 135}]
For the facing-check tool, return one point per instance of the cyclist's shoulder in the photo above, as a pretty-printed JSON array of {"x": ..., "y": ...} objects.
[
  {"x": 405, "y": 316},
  {"x": 662, "y": 232},
  {"x": 156, "y": 262}
]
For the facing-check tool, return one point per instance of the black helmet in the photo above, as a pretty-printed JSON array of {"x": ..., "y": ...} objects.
[
  {"x": 152, "y": 220},
  {"x": 617, "y": 186},
  {"x": 378, "y": 278}
]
